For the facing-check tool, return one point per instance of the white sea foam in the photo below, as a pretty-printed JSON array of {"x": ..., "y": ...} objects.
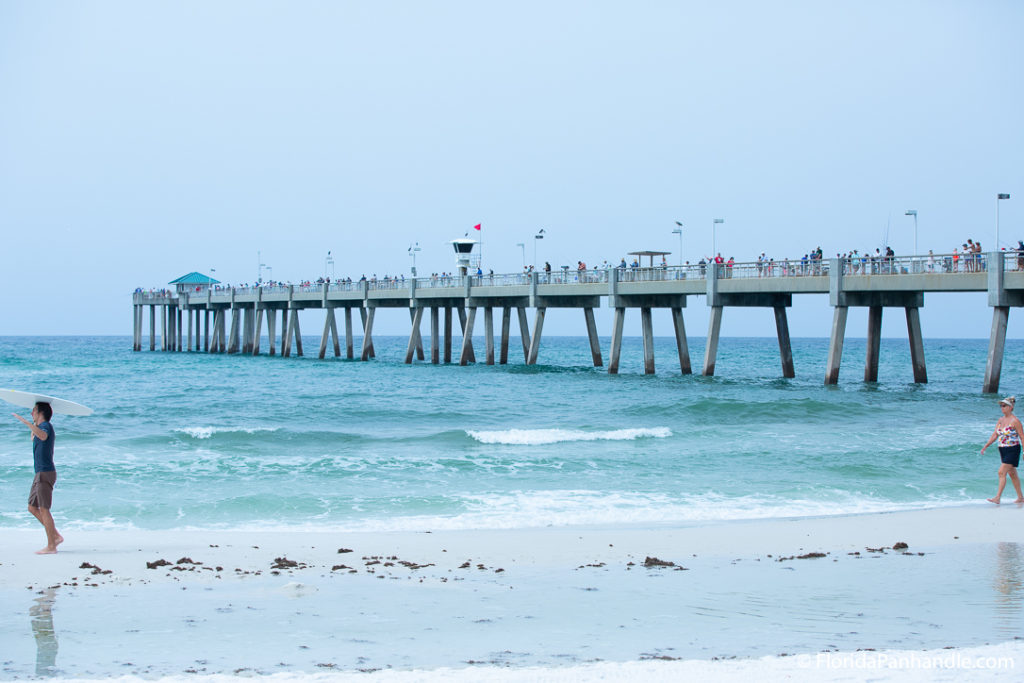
[
  {"x": 567, "y": 508},
  {"x": 537, "y": 437},
  {"x": 207, "y": 432}
]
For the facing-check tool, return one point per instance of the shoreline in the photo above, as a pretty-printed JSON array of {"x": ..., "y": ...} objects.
[{"x": 542, "y": 546}]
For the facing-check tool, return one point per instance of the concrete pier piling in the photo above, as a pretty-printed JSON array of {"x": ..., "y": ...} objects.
[
  {"x": 873, "y": 284},
  {"x": 488, "y": 335},
  {"x": 538, "y": 328},
  {"x": 466, "y": 354},
  {"x": 595, "y": 344},
  {"x": 874, "y": 343},
  {"x": 618, "y": 321},
  {"x": 996, "y": 343}
]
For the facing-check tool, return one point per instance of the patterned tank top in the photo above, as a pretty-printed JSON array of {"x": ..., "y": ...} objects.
[{"x": 1008, "y": 436}]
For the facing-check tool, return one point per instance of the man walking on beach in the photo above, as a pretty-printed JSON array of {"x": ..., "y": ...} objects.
[{"x": 40, "y": 497}]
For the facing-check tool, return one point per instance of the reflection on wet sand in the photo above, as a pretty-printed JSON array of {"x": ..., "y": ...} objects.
[
  {"x": 1008, "y": 583},
  {"x": 42, "y": 628}
]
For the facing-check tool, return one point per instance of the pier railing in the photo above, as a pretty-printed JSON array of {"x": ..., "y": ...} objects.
[{"x": 860, "y": 265}]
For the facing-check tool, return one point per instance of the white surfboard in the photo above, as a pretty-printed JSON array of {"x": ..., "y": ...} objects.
[{"x": 27, "y": 399}]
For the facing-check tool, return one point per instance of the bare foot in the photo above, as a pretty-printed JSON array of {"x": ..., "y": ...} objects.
[
  {"x": 1019, "y": 500},
  {"x": 993, "y": 500},
  {"x": 60, "y": 539},
  {"x": 47, "y": 551}
]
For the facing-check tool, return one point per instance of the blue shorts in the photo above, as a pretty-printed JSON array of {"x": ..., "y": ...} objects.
[{"x": 1010, "y": 455}]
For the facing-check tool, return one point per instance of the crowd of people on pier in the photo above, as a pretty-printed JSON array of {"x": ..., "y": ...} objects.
[{"x": 968, "y": 258}]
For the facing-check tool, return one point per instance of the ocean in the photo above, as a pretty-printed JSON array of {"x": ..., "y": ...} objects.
[{"x": 197, "y": 441}]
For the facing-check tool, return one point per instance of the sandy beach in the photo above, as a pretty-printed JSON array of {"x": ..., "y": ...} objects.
[
  {"x": 397, "y": 584},
  {"x": 125, "y": 553}
]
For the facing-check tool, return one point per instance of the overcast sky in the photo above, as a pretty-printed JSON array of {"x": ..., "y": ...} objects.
[{"x": 141, "y": 141}]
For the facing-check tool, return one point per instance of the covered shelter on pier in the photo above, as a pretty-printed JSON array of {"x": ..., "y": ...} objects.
[
  {"x": 650, "y": 255},
  {"x": 193, "y": 282}
]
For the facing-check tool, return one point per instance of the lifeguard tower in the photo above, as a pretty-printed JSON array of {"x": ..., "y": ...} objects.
[{"x": 465, "y": 259}]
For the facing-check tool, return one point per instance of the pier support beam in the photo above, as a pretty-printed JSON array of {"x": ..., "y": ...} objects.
[
  {"x": 647, "y": 329},
  {"x": 835, "y": 344},
  {"x": 135, "y": 328},
  {"x": 271, "y": 331},
  {"x": 466, "y": 354},
  {"x": 447, "y": 334},
  {"x": 368, "y": 333},
  {"x": 414, "y": 336},
  {"x": 506, "y": 323},
  {"x": 416, "y": 328},
  {"x": 996, "y": 344},
  {"x": 175, "y": 328},
  {"x": 286, "y": 339},
  {"x": 349, "y": 346},
  {"x": 711, "y": 349},
  {"x": 488, "y": 335},
  {"x": 330, "y": 330},
  {"x": 524, "y": 333},
  {"x": 681, "y": 345},
  {"x": 538, "y": 326},
  {"x": 295, "y": 332},
  {"x": 616, "y": 350},
  {"x": 595, "y": 344},
  {"x": 785, "y": 348},
  {"x": 364, "y": 315},
  {"x": 874, "y": 343},
  {"x": 462, "y": 326},
  {"x": 257, "y": 331},
  {"x": 206, "y": 331},
  {"x": 211, "y": 339},
  {"x": 188, "y": 312},
  {"x": 221, "y": 331},
  {"x": 435, "y": 342},
  {"x": 247, "y": 329},
  {"x": 152, "y": 328},
  {"x": 233, "y": 338},
  {"x": 916, "y": 344}
]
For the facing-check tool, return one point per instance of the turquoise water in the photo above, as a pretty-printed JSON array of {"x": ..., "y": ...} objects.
[{"x": 189, "y": 440}]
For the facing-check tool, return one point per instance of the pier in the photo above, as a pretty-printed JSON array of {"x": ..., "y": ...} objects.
[{"x": 195, "y": 318}]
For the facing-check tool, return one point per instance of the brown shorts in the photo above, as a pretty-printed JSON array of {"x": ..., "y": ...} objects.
[{"x": 41, "y": 495}]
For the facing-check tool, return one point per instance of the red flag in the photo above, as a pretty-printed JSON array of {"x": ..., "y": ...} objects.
[{"x": 477, "y": 226}]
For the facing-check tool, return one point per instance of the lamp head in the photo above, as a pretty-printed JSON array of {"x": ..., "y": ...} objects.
[{"x": 911, "y": 212}]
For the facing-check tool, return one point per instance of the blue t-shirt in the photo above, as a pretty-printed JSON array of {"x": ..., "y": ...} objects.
[{"x": 42, "y": 451}]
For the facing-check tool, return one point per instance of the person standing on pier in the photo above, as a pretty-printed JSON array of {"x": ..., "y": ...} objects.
[
  {"x": 41, "y": 495},
  {"x": 1008, "y": 430}
]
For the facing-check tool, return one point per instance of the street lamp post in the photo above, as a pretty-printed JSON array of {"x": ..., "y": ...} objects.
[
  {"x": 679, "y": 231},
  {"x": 523, "y": 247},
  {"x": 999, "y": 197},
  {"x": 329, "y": 261},
  {"x": 714, "y": 244},
  {"x": 538, "y": 236},
  {"x": 913, "y": 212},
  {"x": 413, "y": 248}
]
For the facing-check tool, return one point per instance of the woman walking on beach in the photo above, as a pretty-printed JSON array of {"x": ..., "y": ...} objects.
[
  {"x": 41, "y": 496},
  {"x": 1008, "y": 431}
]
